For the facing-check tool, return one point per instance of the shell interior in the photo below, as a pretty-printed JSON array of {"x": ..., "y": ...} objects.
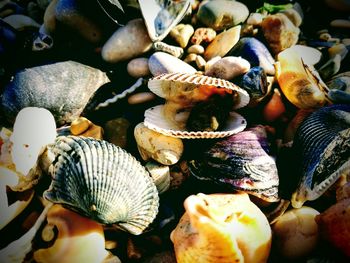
[
  {"x": 154, "y": 120},
  {"x": 103, "y": 182},
  {"x": 162, "y": 84},
  {"x": 161, "y": 16},
  {"x": 322, "y": 143}
]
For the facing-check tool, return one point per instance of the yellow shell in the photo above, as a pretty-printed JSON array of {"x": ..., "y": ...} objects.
[
  {"x": 302, "y": 86},
  {"x": 221, "y": 228},
  {"x": 80, "y": 239}
]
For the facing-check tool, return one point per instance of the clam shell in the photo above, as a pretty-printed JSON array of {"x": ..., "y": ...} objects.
[
  {"x": 155, "y": 120},
  {"x": 161, "y": 85},
  {"x": 322, "y": 147},
  {"x": 241, "y": 162},
  {"x": 103, "y": 182}
]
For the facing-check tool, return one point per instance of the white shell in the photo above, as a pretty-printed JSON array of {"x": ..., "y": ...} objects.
[
  {"x": 155, "y": 120},
  {"x": 103, "y": 182},
  {"x": 160, "y": 84}
]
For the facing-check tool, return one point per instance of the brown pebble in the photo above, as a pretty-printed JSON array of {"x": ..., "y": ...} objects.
[
  {"x": 111, "y": 244},
  {"x": 79, "y": 125},
  {"x": 132, "y": 251},
  {"x": 203, "y": 34},
  {"x": 340, "y": 23},
  {"x": 141, "y": 97},
  {"x": 94, "y": 131}
]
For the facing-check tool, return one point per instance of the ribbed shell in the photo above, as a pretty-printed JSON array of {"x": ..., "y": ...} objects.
[
  {"x": 154, "y": 120},
  {"x": 322, "y": 143},
  {"x": 241, "y": 162},
  {"x": 160, "y": 83},
  {"x": 102, "y": 181}
]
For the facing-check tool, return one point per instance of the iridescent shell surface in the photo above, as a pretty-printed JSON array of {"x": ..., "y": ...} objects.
[
  {"x": 241, "y": 162},
  {"x": 103, "y": 182},
  {"x": 322, "y": 148}
]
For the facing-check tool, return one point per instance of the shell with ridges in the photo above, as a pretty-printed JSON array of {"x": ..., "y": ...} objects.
[
  {"x": 165, "y": 85},
  {"x": 241, "y": 162},
  {"x": 103, "y": 182},
  {"x": 155, "y": 120},
  {"x": 322, "y": 146}
]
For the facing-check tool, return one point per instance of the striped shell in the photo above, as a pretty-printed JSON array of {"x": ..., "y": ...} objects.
[
  {"x": 322, "y": 146},
  {"x": 103, "y": 182},
  {"x": 162, "y": 84},
  {"x": 154, "y": 119}
]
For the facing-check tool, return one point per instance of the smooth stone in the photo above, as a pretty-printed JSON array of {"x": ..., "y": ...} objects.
[
  {"x": 182, "y": 34},
  {"x": 222, "y": 43},
  {"x": 79, "y": 125},
  {"x": 50, "y": 21},
  {"x": 141, "y": 97},
  {"x": 203, "y": 34},
  {"x": 222, "y": 14},
  {"x": 21, "y": 22},
  {"x": 196, "y": 49},
  {"x": 161, "y": 62},
  {"x": 200, "y": 62},
  {"x": 63, "y": 88},
  {"x": 94, "y": 131},
  {"x": 127, "y": 42},
  {"x": 228, "y": 68},
  {"x": 72, "y": 13},
  {"x": 138, "y": 67}
]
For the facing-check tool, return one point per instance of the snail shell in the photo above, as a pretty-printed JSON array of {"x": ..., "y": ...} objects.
[
  {"x": 322, "y": 147},
  {"x": 103, "y": 182}
]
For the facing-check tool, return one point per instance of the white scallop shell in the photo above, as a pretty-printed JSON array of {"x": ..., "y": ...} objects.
[
  {"x": 160, "y": 84},
  {"x": 103, "y": 182},
  {"x": 155, "y": 120}
]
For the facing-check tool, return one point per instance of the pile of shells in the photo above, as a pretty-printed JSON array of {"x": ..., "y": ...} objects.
[{"x": 174, "y": 131}]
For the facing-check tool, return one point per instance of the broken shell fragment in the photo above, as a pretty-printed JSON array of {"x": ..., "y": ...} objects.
[
  {"x": 161, "y": 148},
  {"x": 79, "y": 239},
  {"x": 117, "y": 189},
  {"x": 299, "y": 84},
  {"x": 228, "y": 227},
  {"x": 321, "y": 145}
]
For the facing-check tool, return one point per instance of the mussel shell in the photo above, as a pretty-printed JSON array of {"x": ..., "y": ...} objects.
[
  {"x": 103, "y": 182},
  {"x": 241, "y": 162},
  {"x": 322, "y": 149}
]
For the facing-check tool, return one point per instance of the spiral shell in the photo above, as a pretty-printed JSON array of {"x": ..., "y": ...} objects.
[
  {"x": 322, "y": 147},
  {"x": 102, "y": 182}
]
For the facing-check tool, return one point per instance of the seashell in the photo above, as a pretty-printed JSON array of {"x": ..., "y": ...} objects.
[
  {"x": 221, "y": 228},
  {"x": 172, "y": 50},
  {"x": 117, "y": 189},
  {"x": 241, "y": 162},
  {"x": 34, "y": 128},
  {"x": 160, "y": 174},
  {"x": 256, "y": 83},
  {"x": 255, "y": 52},
  {"x": 161, "y": 16},
  {"x": 9, "y": 210},
  {"x": 79, "y": 239},
  {"x": 339, "y": 88},
  {"x": 49, "y": 86},
  {"x": 42, "y": 42},
  {"x": 223, "y": 43},
  {"x": 321, "y": 146},
  {"x": 330, "y": 68},
  {"x": 299, "y": 84},
  {"x": 17, "y": 250},
  {"x": 151, "y": 144},
  {"x": 155, "y": 120},
  {"x": 309, "y": 55}
]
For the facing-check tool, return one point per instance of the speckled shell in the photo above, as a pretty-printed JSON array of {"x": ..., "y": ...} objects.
[
  {"x": 103, "y": 182},
  {"x": 155, "y": 120},
  {"x": 241, "y": 162},
  {"x": 161, "y": 84},
  {"x": 322, "y": 147}
]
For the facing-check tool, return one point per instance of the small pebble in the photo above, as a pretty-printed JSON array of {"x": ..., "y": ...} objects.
[
  {"x": 182, "y": 34},
  {"x": 138, "y": 67},
  {"x": 203, "y": 34},
  {"x": 79, "y": 125},
  {"x": 340, "y": 23},
  {"x": 190, "y": 58},
  {"x": 141, "y": 97},
  {"x": 94, "y": 131},
  {"x": 228, "y": 68},
  {"x": 200, "y": 62},
  {"x": 196, "y": 49}
]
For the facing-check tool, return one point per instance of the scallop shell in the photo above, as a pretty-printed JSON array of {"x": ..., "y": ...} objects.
[
  {"x": 155, "y": 120},
  {"x": 322, "y": 147},
  {"x": 103, "y": 182},
  {"x": 241, "y": 162},
  {"x": 162, "y": 84}
]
